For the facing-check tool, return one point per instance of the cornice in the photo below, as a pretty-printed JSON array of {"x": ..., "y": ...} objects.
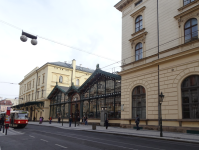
[
  {"x": 185, "y": 6},
  {"x": 136, "y": 33},
  {"x": 121, "y": 4},
  {"x": 186, "y": 12},
  {"x": 162, "y": 60},
  {"x": 138, "y": 11},
  {"x": 138, "y": 36}
]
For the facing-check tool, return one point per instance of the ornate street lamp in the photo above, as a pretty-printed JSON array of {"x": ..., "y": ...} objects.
[
  {"x": 160, "y": 101},
  {"x": 25, "y": 35}
]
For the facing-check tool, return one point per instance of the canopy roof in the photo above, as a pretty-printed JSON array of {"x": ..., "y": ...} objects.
[{"x": 28, "y": 104}]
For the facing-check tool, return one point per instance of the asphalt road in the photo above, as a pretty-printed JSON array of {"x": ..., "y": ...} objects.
[{"x": 51, "y": 138}]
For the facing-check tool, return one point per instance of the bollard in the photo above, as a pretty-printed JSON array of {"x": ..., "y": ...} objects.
[
  {"x": 7, "y": 125},
  {"x": 0, "y": 127},
  {"x": 6, "y": 132}
]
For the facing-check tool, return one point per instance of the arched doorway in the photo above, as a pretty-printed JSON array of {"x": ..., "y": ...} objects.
[
  {"x": 75, "y": 106},
  {"x": 139, "y": 102},
  {"x": 190, "y": 97}
]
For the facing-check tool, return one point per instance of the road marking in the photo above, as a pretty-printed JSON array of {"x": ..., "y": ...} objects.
[
  {"x": 60, "y": 146},
  {"x": 43, "y": 140},
  {"x": 32, "y": 136}
]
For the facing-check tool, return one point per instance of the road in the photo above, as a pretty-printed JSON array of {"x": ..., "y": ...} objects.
[{"x": 51, "y": 138}]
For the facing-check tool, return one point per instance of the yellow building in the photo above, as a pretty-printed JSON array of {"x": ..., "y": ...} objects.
[
  {"x": 178, "y": 62},
  {"x": 37, "y": 84}
]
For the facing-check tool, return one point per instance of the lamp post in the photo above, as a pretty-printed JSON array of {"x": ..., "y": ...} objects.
[
  {"x": 62, "y": 113},
  {"x": 160, "y": 101},
  {"x": 25, "y": 35},
  {"x": 75, "y": 110}
]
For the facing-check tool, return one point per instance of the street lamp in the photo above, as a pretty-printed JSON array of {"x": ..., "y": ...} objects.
[
  {"x": 75, "y": 110},
  {"x": 62, "y": 113},
  {"x": 160, "y": 101},
  {"x": 25, "y": 35}
]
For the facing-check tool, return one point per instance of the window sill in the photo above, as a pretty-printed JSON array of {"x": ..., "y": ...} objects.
[
  {"x": 137, "y": 32},
  {"x": 185, "y": 6}
]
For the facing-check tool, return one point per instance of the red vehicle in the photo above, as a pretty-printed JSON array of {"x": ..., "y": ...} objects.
[{"x": 18, "y": 118}]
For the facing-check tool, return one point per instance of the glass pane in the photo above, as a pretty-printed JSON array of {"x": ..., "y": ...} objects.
[
  {"x": 185, "y": 96},
  {"x": 195, "y": 32},
  {"x": 140, "y": 55},
  {"x": 137, "y": 19},
  {"x": 143, "y": 101},
  {"x": 66, "y": 114},
  {"x": 100, "y": 103},
  {"x": 135, "y": 91},
  {"x": 109, "y": 86},
  {"x": 185, "y": 82},
  {"x": 143, "y": 113},
  {"x": 187, "y": 35},
  {"x": 185, "y": 108},
  {"x": 85, "y": 109},
  {"x": 194, "y": 111},
  {"x": 137, "y": 25},
  {"x": 140, "y": 23},
  {"x": 194, "y": 22},
  {"x": 193, "y": 80},
  {"x": 186, "y": 115},
  {"x": 188, "y": 24},
  {"x": 110, "y": 107},
  {"x": 118, "y": 107},
  {"x": 118, "y": 86},
  {"x": 194, "y": 96},
  {"x": 92, "y": 113}
]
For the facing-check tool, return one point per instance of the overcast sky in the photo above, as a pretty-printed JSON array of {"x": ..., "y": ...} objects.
[{"x": 90, "y": 25}]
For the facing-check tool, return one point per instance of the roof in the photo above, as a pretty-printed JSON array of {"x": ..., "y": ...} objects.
[
  {"x": 28, "y": 104},
  {"x": 72, "y": 88},
  {"x": 57, "y": 87},
  {"x": 67, "y": 65},
  {"x": 99, "y": 71},
  {"x": 5, "y": 102}
]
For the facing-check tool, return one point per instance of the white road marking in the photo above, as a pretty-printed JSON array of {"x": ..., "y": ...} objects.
[
  {"x": 43, "y": 140},
  {"x": 32, "y": 136},
  {"x": 60, "y": 146}
]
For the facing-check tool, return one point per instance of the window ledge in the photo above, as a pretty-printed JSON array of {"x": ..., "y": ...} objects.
[
  {"x": 185, "y": 6},
  {"x": 138, "y": 36},
  {"x": 137, "y": 32}
]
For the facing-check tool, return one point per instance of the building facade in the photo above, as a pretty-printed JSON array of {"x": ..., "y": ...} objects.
[
  {"x": 101, "y": 89},
  {"x": 4, "y": 104},
  {"x": 36, "y": 85},
  {"x": 175, "y": 61}
]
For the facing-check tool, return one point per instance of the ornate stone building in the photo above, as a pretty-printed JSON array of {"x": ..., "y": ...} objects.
[
  {"x": 36, "y": 85},
  {"x": 178, "y": 62}
]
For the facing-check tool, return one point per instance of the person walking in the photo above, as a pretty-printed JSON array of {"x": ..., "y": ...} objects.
[
  {"x": 50, "y": 119},
  {"x": 86, "y": 121},
  {"x": 34, "y": 119},
  {"x": 40, "y": 120},
  {"x": 70, "y": 120},
  {"x": 137, "y": 121},
  {"x": 106, "y": 123}
]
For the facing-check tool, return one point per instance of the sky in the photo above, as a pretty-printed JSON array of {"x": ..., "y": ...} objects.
[{"x": 93, "y": 26}]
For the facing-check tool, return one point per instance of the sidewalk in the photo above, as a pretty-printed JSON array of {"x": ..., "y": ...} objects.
[
  {"x": 10, "y": 131},
  {"x": 173, "y": 136}
]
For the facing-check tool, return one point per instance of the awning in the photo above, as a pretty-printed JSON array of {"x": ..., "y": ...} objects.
[{"x": 28, "y": 104}]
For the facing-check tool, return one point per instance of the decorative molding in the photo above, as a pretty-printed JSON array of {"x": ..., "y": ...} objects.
[
  {"x": 137, "y": 32},
  {"x": 138, "y": 11},
  {"x": 139, "y": 38},
  {"x": 121, "y": 4},
  {"x": 185, "y": 6},
  {"x": 187, "y": 12}
]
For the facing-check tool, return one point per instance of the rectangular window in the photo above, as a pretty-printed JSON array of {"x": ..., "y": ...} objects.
[
  {"x": 42, "y": 94},
  {"x": 33, "y": 83},
  {"x": 140, "y": 1}
]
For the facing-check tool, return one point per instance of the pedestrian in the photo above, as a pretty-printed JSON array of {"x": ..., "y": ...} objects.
[
  {"x": 34, "y": 118},
  {"x": 70, "y": 120},
  {"x": 86, "y": 121},
  {"x": 137, "y": 121},
  {"x": 50, "y": 119},
  {"x": 78, "y": 121},
  {"x": 106, "y": 123},
  {"x": 40, "y": 119}
]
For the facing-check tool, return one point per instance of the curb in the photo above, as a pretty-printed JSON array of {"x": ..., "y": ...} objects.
[{"x": 133, "y": 135}]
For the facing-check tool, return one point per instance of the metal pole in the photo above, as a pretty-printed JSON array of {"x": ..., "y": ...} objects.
[
  {"x": 3, "y": 127},
  {"x": 75, "y": 112},
  {"x": 6, "y": 131},
  {"x": 62, "y": 118},
  {"x": 161, "y": 135}
]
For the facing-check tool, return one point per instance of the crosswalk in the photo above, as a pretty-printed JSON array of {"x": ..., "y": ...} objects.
[{"x": 10, "y": 131}]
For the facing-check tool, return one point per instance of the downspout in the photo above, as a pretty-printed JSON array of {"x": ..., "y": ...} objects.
[{"x": 36, "y": 92}]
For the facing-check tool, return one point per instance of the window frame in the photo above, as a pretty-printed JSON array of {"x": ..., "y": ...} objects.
[
  {"x": 60, "y": 79},
  {"x": 138, "y": 22},
  {"x": 139, "y": 51},
  {"x": 190, "y": 1},
  {"x": 191, "y": 26}
]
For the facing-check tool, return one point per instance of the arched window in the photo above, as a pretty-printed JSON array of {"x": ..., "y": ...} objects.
[
  {"x": 191, "y": 30},
  {"x": 139, "y": 102},
  {"x": 138, "y": 51},
  {"x": 138, "y": 23},
  {"x": 190, "y": 97},
  {"x": 187, "y": 2},
  {"x": 60, "y": 79},
  {"x": 77, "y": 82}
]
